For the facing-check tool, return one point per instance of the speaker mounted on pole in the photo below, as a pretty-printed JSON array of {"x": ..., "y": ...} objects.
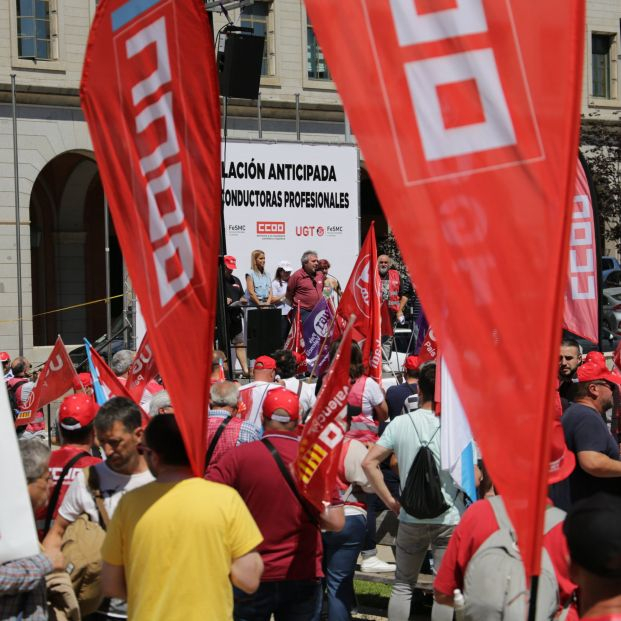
[{"x": 239, "y": 66}]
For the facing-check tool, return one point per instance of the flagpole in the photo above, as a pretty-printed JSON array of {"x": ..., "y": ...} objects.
[
  {"x": 532, "y": 606},
  {"x": 107, "y": 257},
  {"x": 18, "y": 236}
]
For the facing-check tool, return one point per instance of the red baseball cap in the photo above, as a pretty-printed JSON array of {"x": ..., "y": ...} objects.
[
  {"x": 4, "y": 357},
  {"x": 411, "y": 363},
  {"x": 264, "y": 362},
  {"x": 82, "y": 380},
  {"x": 596, "y": 370},
  {"x": 77, "y": 411},
  {"x": 281, "y": 405},
  {"x": 230, "y": 261}
]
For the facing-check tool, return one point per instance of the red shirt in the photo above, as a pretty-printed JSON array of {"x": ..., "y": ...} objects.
[
  {"x": 476, "y": 525},
  {"x": 291, "y": 547},
  {"x": 611, "y": 617},
  {"x": 305, "y": 289},
  {"x": 58, "y": 459}
]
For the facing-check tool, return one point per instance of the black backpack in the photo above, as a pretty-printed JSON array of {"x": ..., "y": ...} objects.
[{"x": 421, "y": 496}]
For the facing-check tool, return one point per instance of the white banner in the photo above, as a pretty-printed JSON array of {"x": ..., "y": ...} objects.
[
  {"x": 18, "y": 537},
  {"x": 286, "y": 198}
]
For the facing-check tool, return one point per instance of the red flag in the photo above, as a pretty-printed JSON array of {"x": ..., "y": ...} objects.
[
  {"x": 429, "y": 348},
  {"x": 295, "y": 342},
  {"x": 469, "y": 130},
  {"x": 362, "y": 297},
  {"x": 317, "y": 460},
  {"x": 581, "y": 298},
  {"x": 142, "y": 370},
  {"x": 149, "y": 93},
  {"x": 113, "y": 386},
  {"x": 55, "y": 379}
]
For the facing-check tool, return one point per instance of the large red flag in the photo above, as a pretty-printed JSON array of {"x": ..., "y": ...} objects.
[
  {"x": 469, "y": 129},
  {"x": 149, "y": 93},
  {"x": 581, "y": 298},
  {"x": 317, "y": 460},
  {"x": 142, "y": 370},
  {"x": 362, "y": 297},
  {"x": 55, "y": 379}
]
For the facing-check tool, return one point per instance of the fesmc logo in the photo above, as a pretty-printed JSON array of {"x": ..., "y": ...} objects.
[{"x": 322, "y": 323}]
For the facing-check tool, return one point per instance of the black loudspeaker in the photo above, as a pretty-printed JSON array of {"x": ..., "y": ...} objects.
[
  {"x": 263, "y": 331},
  {"x": 239, "y": 67}
]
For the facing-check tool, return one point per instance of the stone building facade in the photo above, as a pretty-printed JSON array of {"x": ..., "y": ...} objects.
[{"x": 42, "y": 42}]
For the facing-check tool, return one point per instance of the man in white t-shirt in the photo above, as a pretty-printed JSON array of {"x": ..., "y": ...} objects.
[
  {"x": 286, "y": 366},
  {"x": 253, "y": 394},
  {"x": 119, "y": 431}
]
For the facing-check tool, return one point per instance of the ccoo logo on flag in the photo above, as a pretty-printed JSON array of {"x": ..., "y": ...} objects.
[{"x": 456, "y": 85}]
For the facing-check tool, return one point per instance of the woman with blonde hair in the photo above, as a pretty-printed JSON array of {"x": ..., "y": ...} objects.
[{"x": 258, "y": 281}]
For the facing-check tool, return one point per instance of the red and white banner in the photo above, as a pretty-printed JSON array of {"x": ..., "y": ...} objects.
[
  {"x": 581, "y": 294},
  {"x": 150, "y": 96},
  {"x": 142, "y": 370},
  {"x": 320, "y": 444},
  {"x": 363, "y": 298},
  {"x": 55, "y": 380},
  {"x": 429, "y": 348},
  {"x": 469, "y": 130}
]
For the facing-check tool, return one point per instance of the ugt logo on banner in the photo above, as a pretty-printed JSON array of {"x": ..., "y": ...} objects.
[{"x": 462, "y": 85}]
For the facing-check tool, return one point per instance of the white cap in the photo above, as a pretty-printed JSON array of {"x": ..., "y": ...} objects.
[{"x": 286, "y": 266}]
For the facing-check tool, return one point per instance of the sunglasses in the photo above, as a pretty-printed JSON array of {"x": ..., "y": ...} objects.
[{"x": 143, "y": 450}]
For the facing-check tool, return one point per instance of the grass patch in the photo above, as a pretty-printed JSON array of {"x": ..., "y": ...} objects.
[{"x": 372, "y": 594}]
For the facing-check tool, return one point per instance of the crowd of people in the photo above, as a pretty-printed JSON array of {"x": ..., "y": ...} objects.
[
  {"x": 302, "y": 288},
  {"x": 127, "y": 530}
]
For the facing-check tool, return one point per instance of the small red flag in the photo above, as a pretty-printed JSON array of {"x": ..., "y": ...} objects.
[
  {"x": 362, "y": 297},
  {"x": 317, "y": 460},
  {"x": 55, "y": 379},
  {"x": 112, "y": 385},
  {"x": 142, "y": 370}
]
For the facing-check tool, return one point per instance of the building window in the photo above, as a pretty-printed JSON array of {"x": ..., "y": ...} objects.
[
  {"x": 257, "y": 16},
  {"x": 316, "y": 66},
  {"x": 601, "y": 45},
  {"x": 34, "y": 36}
]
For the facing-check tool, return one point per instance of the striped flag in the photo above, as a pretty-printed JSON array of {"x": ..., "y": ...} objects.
[
  {"x": 105, "y": 383},
  {"x": 457, "y": 450}
]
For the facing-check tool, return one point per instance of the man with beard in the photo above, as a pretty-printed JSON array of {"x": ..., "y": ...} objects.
[
  {"x": 395, "y": 295},
  {"x": 305, "y": 286},
  {"x": 569, "y": 361},
  {"x": 598, "y": 465}
]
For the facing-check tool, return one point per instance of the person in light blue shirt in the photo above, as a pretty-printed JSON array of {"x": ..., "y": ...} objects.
[
  {"x": 258, "y": 281},
  {"x": 404, "y": 436}
]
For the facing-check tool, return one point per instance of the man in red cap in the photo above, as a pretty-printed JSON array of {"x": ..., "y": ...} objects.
[
  {"x": 292, "y": 549},
  {"x": 479, "y": 522},
  {"x": 83, "y": 382},
  {"x": 587, "y": 435},
  {"x": 253, "y": 394},
  {"x": 234, "y": 293},
  {"x": 77, "y": 435},
  {"x": 6, "y": 364}
]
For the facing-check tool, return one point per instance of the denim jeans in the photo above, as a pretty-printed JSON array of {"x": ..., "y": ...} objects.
[
  {"x": 413, "y": 540},
  {"x": 287, "y": 600},
  {"x": 340, "y": 552}
]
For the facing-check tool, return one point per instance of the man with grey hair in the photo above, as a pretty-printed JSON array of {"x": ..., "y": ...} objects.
[
  {"x": 160, "y": 404},
  {"x": 22, "y": 582},
  {"x": 225, "y": 430},
  {"x": 121, "y": 361},
  {"x": 305, "y": 286}
]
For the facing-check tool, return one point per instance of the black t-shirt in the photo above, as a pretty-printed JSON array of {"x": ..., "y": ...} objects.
[{"x": 585, "y": 430}]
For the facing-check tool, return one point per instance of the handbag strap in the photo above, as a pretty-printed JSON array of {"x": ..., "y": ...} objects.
[
  {"x": 289, "y": 479},
  {"x": 59, "y": 484},
  {"x": 214, "y": 440},
  {"x": 94, "y": 487}
]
